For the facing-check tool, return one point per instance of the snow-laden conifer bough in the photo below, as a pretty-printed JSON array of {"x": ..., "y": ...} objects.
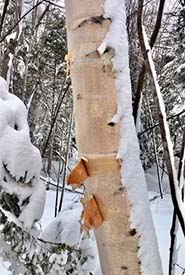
[
  {"x": 132, "y": 172},
  {"x": 22, "y": 195},
  {"x": 22, "y": 199}
]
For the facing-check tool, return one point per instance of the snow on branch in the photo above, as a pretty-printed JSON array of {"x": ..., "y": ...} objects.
[
  {"x": 29, "y": 255},
  {"x": 164, "y": 128},
  {"x": 22, "y": 199},
  {"x": 167, "y": 143},
  {"x": 21, "y": 192}
]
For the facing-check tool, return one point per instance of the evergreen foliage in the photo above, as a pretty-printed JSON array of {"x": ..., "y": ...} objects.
[{"x": 29, "y": 255}]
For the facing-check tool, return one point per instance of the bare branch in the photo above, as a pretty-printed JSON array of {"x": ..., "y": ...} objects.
[
  {"x": 157, "y": 124},
  {"x": 55, "y": 117},
  {"x": 4, "y": 13},
  {"x": 175, "y": 223},
  {"x": 143, "y": 69},
  {"x": 20, "y": 19}
]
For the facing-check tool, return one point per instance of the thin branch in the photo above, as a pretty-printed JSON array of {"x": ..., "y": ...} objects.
[
  {"x": 157, "y": 124},
  {"x": 172, "y": 244},
  {"x": 55, "y": 118},
  {"x": 24, "y": 15},
  {"x": 54, "y": 4},
  {"x": 20, "y": 19},
  {"x": 58, "y": 179},
  {"x": 157, "y": 24},
  {"x": 160, "y": 110},
  {"x": 183, "y": 269},
  {"x": 65, "y": 165},
  {"x": 4, "y": 13},
  {"x": 175, "y": 223},
  {"x": 60, "y": 187},
  {"x": 143, "y": 69},
  {"x": 59, "y": 243},
  {"x": 42, "y": 16},
  {"x": 155, "y": 152},
  {"x": 135, "y": 12},
  {"x": 36, "y": 258}
]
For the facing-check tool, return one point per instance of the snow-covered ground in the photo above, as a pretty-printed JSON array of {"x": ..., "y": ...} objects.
[{"x": 161, "y": 211}]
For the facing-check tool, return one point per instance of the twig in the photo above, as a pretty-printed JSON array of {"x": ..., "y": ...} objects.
[
  {"x": 175, "y": 221},
  {"x": 155, "y": 198},
  {"x": 54, "y": 4},
  {"x": 181, "y": 268},
  {"x": 59, "y": 243},
  {"x": 155, "y": 152},
  {"x": 143, "y": 69},
  {"x": 20, "y": 19},
  {"x": 172, "y": 244},
  {"x": 24, "y": 15},
  {"x": 65, "y": 165},
  {"x": 60, "y": 187},
  {"x": 55, "y": 117},
  {"x": 58, "y": 181},
  {"x": 157, "y": 124},
  {"x": 4, "y": 13}
]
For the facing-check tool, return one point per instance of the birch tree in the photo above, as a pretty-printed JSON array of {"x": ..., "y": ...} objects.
[{"x": 106, "y": 138}]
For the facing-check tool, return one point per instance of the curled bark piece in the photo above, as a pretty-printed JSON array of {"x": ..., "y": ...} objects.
[
  {"x": 91, "y": 215},
  {"x": 78, "y": 175}
]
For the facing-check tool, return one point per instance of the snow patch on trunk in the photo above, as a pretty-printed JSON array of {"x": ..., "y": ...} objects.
[{"x": 132, "y": 172}]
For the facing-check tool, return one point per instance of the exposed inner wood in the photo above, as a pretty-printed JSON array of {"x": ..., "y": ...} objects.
[{"x": 101, "y": 163}]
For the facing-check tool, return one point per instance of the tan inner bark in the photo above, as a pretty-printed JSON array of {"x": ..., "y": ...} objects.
[{"x": 95, "y": 104}]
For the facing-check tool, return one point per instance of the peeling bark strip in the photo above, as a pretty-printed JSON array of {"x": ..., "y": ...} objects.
[
  {"x": 92, "y": 165},
  {"x": 78, "y": 175},
  {"x": 91, "y": 216},
  {"x": 94, "y": 109}
]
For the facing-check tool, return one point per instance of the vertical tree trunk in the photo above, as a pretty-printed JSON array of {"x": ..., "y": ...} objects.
[{"x": 95, "y": 105}]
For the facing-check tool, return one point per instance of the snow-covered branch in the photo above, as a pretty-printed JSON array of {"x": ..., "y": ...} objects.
[
  {"x": 28, "y": 255},
  {"x": 164, "y": 128},
  {"x": 175, "y": 223}
]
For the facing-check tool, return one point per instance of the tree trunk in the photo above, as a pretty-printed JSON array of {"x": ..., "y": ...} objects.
[{"x": 95, "y": 105}]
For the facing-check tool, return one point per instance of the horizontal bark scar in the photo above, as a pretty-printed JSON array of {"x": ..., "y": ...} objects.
[{"x": 93, "y": 20}]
